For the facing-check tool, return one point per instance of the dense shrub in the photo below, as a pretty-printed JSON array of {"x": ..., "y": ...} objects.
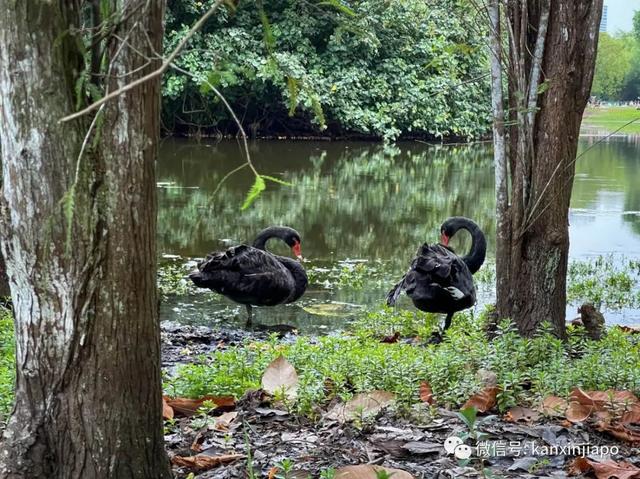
[{"x": 370, "y": 67}]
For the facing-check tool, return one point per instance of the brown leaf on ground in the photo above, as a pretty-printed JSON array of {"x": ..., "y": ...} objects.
[
  {"x": 521, "y": 414},
  {"x": 361, "y": 405},
  {"x": 554, "y": 406},
  {"x": 426, "y": 393},
  {"x": 605, "y": 469},
  {"x": 223, "y": 421},
  {"x": 484, "y": 400},
  {"x": 167, "y": 411},
  {"x": 272, "y": 473},
  {"x": 188, "y": 407},
  {"x": 280, "y": 377},
  {"x": 202, "y": 462},
  {"x": 577, "y": 412},
  {"x": 629, "y": 432},
  {"x": 604, "y": 399},
  {"x": 391, "y": 339},
  {"x": 365, "y": 471}
]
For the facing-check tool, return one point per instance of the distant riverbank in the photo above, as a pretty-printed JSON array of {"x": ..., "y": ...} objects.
[{"x": 604, "y": 119}]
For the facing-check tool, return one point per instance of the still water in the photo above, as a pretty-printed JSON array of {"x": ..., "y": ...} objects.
[{"x": 367, "y": 207}]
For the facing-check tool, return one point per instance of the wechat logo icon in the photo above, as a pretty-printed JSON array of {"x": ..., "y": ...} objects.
[{"x": 454, "y": 445}]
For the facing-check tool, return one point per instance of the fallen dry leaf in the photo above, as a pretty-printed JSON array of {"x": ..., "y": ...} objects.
[
  {"x": 521, "y": 414},
  {"x": 604, "y": 399},
  {"x": 391, "y": 339},
  {"x": 365, "y": 471},
  {"x": 554, "y": 406},
  {"x": 361, "y": 405},
  {"x": 577, "y": 412},
  {"x": 188, "y": 407},
  {"x": 223, "y": 421},
  {"x": 484, "y": 400},
  {"x": 605, "y": 469},
  {"x": 202, "y": 462},
  {"x": 167, "y": 411},
  {"x": 624, "y": 432},
  {"x": 426, "y": 393},
  {"x": 280, "y": 377}
]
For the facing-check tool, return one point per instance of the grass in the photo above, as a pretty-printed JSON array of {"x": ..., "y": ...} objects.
[
  {"x": 340, "y": 366},
  {"x": 7, "y": 360},
  {"x": 611, "y": 118}
]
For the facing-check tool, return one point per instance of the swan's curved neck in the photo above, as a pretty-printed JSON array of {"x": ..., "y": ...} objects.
[
  {"x": 265, "y": 235},
  {"x": 476, "y": 255}
]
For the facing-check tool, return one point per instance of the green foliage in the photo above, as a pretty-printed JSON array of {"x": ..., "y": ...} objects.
[
  {"x": 7, "y": 363},
  {"x": 526, "y": 369},
  {"x": 613, "y": 64},
  {"x": 258, "y": 187},
  {"x": 604, "y": 282},
  {"x": 371, "y": 67},
  {"x": 172, "y": 278}
]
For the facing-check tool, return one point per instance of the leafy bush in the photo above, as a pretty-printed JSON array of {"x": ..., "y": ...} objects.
[{"x": 371, "y": 67}]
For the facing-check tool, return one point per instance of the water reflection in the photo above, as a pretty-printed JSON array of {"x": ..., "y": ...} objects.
[{"x": 362, "y": 200}]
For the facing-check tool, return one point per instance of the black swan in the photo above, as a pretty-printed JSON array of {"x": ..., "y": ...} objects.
[
  {"x": 252, "y": 276},
  {"x": 440, "y": 281}
]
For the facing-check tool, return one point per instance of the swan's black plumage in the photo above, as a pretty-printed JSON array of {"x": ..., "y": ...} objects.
[
  {"x": 440, "y": 281},
  {"x": 252, "y": 276}
]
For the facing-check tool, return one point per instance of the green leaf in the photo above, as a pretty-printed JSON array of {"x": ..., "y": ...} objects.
[
  {"x": 468, "y": 416},
  {"x": 276, "y": 180},
  {"x": 258, "y": 187},
  {"x": 338, "y": 6},
  {"x": 269, "y": 39},
  {"x": 294, "y": 89}
]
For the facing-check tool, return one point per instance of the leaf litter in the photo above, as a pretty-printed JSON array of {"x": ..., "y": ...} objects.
[{"x": 368, "y": 434}]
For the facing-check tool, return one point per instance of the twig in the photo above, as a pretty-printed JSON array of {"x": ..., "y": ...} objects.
[
  {"x": 165, "y": 65},
  {"x": 233, "y": 115}
]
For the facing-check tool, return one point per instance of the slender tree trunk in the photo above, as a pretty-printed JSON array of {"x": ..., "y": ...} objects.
[
  {"x": 4, "y": 281},
  {"x": 552, "y": 56},
  {"x": 500, "y": 156},
  {"x": 78, "y": 235}
]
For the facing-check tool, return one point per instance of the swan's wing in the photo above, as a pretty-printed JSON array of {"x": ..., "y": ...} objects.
[
  {"x": 429, "y": 263},
  {"x": 240, "y": 258},
  {"x": 435, "y": 262},
  {"x": 245, "y": 274}
]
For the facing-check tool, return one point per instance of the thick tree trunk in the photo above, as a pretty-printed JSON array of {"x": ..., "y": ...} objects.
[
  {"x": 543, "y": 150},
  {"x": 78, "y": 236}
]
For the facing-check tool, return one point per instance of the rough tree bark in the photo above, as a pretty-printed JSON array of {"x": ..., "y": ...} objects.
[
  {"x": 78, "y": 236},
  {"x": 551, "y": 58}
]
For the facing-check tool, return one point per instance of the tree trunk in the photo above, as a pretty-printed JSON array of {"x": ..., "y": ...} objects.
[
  {"x": 4, "y": 281},
  {"x": 78, "y": 211},
  {"x": 552, "y": 56}
]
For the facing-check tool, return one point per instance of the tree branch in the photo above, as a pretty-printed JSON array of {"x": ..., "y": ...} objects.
[{"x": 165, "y": 65}]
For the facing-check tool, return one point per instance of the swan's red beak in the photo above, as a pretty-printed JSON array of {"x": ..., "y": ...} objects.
[
  {"x": 297, "y": 250},
  {"x": 444, "y": 239}
]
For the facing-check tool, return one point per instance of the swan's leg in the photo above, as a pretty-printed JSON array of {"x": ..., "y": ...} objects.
[
  {"x": 249, "y": 315},
  {"x": 447, "y": 322}
]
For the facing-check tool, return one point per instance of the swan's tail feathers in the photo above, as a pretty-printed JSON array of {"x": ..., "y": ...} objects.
[
  {"x": 393, "y": 295},
  {"x": 198, "y": 279}
]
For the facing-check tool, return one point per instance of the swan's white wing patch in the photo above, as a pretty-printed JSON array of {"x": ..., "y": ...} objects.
[{"x": 455, "y": 292}]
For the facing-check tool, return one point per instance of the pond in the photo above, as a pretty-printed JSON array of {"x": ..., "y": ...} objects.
[{"x": 362, "y": 209}]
